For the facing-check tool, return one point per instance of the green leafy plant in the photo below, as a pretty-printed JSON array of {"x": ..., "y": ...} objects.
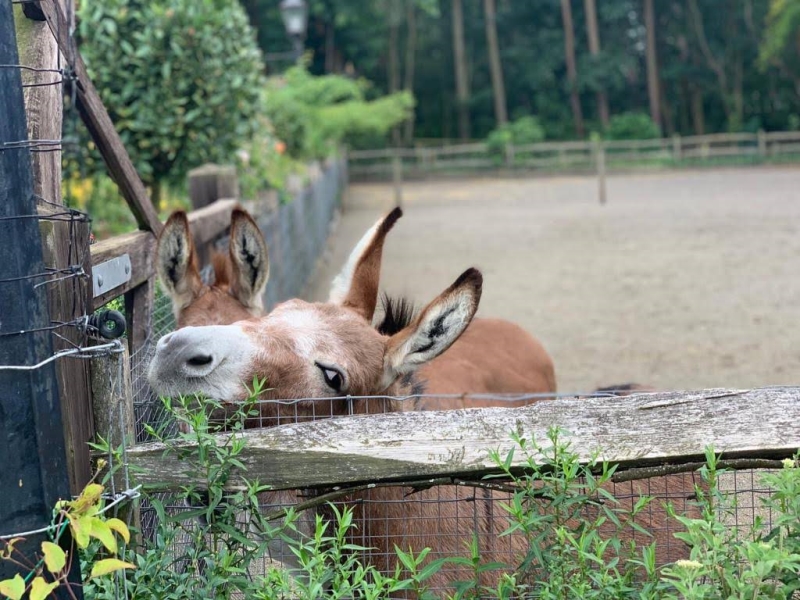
[
  {"x": 632, "y": 126},
  {"x": 180, "y": 78},
  {"x": 312, "y": 115},
  {"x": 524, "y": 130}
]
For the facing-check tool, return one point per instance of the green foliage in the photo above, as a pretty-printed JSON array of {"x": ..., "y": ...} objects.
[
  {"x": 180, "y": 78},
  {"x": 313, "y": 115},
  {"x": 524, "y": 130},
  {"x": 780, "y": 38},
  {"x": 632, "y": 126}
]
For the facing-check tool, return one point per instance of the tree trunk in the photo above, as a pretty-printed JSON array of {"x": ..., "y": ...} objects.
[
  {"x": 496, "y": 67},
  {"x": 593, "y": 34},
  {"x": 652, "y": 63},
  {"x": 330, "y": 48},
  {"x": 394, "y": 66},
  {"x": 459, "y": 57},
  {"x": 411, "y": 50},
  {"x": 698, "y": 114},
  {"x": 572, "y": 71}
]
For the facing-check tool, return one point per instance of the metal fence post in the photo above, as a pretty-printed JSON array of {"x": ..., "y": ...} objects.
[
  {"x": 34, "y": 472},
  {"x": 600, "y": 161}
]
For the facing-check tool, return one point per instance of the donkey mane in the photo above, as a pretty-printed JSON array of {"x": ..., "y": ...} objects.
[{"x": 398, "y": 313}]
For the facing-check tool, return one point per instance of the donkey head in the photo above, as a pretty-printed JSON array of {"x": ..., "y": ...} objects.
[
  {"x": 240, "y": 275},
  {"x": 306, "y": 350}
]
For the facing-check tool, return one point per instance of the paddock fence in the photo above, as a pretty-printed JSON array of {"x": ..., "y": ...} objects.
[{"x": 547, "y": 158}]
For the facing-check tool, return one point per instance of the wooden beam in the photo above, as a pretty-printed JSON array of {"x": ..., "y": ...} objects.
[
  {"x": 101, "y": 128},
  {"x": 641, "y": 430},
  {"x": 207, "y": 224}
]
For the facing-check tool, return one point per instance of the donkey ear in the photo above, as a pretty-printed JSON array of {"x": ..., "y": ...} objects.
[
  {"x": 250, "y": 260},
  {"x": 176, "y": 262},
  {"x": 356, "y": 286},
  {"x": 435, "y": 329}
]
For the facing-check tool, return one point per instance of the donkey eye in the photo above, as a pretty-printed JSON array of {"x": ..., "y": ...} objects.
[{"x": 333, "y": 377}]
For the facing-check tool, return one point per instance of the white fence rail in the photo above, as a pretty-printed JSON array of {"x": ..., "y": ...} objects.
[{"x": 575, "y": 156}]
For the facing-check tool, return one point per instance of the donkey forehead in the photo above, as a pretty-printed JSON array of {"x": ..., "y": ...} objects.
[{"x": 316, "y": 328}]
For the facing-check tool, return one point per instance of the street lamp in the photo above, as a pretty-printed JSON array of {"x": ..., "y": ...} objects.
[{"x": 295, "y": 19}]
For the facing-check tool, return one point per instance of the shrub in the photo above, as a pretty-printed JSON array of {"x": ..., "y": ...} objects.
[
  {"x": 525, "y": 130},
  {"x": 632, "y": 126},
  {"x": 313, "y": 115},
  {"x": 180, "y": 79}
]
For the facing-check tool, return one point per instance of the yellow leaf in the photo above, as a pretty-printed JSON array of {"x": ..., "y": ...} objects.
[
  {"x": 81, "y": 529},
  {"x": 54, "y": 557},
  {"x": 13, "y": 588},
  {"x": 109, "y": 565},
  {"x": 10, "y": 547},
  {"x": 120, "y": 528},
  {"x": 103, "y": 532},
  {"x": 88, "y": 500},
  {"x": 40, "y": 589}
]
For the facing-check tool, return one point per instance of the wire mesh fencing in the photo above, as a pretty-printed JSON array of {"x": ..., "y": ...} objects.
[{"x": 447, "y": 515}]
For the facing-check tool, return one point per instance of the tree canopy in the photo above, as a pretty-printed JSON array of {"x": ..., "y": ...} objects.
[{"x": 713, "y": 68}]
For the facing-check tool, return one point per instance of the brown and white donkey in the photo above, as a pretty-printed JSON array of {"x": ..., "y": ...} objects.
[{"x": 330, "y": 350}]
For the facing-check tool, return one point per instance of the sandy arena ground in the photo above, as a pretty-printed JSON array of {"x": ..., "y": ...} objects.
[{"x": 683, "y": 280}]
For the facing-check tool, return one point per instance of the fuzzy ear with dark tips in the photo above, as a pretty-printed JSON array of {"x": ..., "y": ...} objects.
[
  {"x": 250, "y": 260},
  {"x": 356, "y": 286},
  {"x": 176, "y": 262},
  {"x": 435, "y": 329}
]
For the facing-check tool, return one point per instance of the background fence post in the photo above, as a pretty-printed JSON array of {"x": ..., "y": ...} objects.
[
  {"x": 210, "y": 183},
  {"x": 34, "y": 471},
  {"x": 397, "y": 177},
  {"x": 762, "y": 143},
  {"x": 677, "y": 149},
  {"x": 600, "y": 160}
]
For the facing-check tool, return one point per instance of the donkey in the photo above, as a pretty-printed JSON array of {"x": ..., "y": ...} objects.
[
  {"x": 236, "y": 294},
  {"x": 317, "y": 350}
]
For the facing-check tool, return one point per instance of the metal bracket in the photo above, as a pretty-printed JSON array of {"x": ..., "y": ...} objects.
[{"x": 110, "y": 274}]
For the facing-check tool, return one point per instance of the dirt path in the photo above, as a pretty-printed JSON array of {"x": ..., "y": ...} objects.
[{"x": 684, "y": 280}]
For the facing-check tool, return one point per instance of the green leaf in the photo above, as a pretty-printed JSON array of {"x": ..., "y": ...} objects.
[
  {"x": 54, "y": 557},
  {"x": 109, "y": 565},
  {"x": 13, "y": 588}
]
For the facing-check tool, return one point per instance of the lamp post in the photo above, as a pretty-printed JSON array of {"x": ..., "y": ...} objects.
[{"x": 295, "y": 20}]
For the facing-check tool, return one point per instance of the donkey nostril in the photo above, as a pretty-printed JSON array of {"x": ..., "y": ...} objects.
[
  {"x": 200, "y": 360},
  {"x": 165, "y": 340}
]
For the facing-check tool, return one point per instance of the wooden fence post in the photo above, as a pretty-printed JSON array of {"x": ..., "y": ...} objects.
[
  {"x": 600, "y": 160},
  {"x": 397, "y": 177},
  {"x": 510, "y": 155},
  {"x": 210, "y": 183},
  {"x": 112, "y": 403},
  {"x": 33, "y": 476},
  {"x": 677, "y": 150},
  {"x": 65, "y": 241},
  {"x": 762, "y": 143}
]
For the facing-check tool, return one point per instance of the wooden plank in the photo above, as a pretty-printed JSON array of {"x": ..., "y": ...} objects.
[
  {"x": 641, "y": 430},
  {"x": 101, "y": 128},
  {"x": 140, "y": 246}
]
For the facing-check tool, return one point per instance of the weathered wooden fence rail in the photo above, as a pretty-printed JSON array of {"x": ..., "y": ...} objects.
[
  {"x": 634, "y": 431},
  {"x": 573, "y": 156}
]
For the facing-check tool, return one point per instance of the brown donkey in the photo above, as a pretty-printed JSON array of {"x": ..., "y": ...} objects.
[
  {"x": 330, "y": 350},
  {"x": 236, "y": 294}
]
